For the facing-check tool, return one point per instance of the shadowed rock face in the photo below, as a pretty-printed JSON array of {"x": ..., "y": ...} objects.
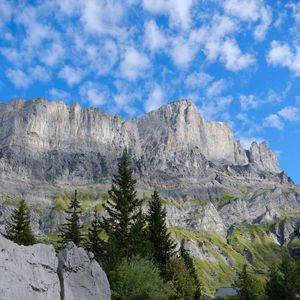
[
  {"x": 36, "y": 273},
  {"x": 43, "y": 141}
]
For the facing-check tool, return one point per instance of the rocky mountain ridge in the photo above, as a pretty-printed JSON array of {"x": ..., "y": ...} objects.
[{"x": 85, "y": 143}]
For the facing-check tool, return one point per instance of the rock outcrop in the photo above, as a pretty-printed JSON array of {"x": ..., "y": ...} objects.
[
  {"x": 35, "y": 273},
  {"x": 28, "y": 272},
  {"x": 81, "y": 276}
]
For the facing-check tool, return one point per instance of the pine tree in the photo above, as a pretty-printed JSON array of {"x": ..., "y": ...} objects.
[
  {"x": 275, "y": 289},
  {"x": 141, "y": 244},
  {"x": 94, "y": 243},
  {"x": 162, "y": 244},
  {"x": 248, "y": 287},
  {"x": 18, "y": 229},
  {"x": 245, "y": 286},
  {"x": 71, "y": 230},
  {"x": 188, "y": 261},
  {"x": 123, "y": 209}
]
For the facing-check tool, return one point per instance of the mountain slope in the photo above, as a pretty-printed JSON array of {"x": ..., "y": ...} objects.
[{"x": 210, "y": 184}]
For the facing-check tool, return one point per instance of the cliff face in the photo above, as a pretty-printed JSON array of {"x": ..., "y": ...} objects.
[{"x": 51, "y": 142}]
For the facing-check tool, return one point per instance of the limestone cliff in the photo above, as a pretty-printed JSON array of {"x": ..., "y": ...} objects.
[{"x": 51, "y": 142}]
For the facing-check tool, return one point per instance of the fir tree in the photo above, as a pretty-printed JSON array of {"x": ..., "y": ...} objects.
[
  {"x": 275, "y": 289},
  {"x": 18, "y": 229},
  {"x": 71, "y": 230},
  {"x": 123, "y": 209},
  {"x": 94, "y": 243},
  {"x": 188, "y": 261},
  {"x": 162, "y": 244},
  {"x": 248, "y": 287}
]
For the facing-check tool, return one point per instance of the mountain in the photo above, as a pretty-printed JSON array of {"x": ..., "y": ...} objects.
[{"x": 219, "y": 196}]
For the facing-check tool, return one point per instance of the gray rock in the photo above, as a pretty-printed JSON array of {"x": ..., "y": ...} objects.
[
  {"x": 35, "y": 273},
  {"x": 28, "y": 272},
  {"x": 81, "y": 276}
]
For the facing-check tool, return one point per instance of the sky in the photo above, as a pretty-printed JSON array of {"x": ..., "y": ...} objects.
[{"x": 238, "y": 60}]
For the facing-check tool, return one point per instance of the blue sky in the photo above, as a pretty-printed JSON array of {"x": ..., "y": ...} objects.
[{"x": 239, "y": 60}]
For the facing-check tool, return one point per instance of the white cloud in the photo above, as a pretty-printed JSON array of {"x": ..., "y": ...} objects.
[
  {"x": 53, "y": 54},
  {"x": 5, "y": 12},
  {"x": 57, "y": 94},
  {"x": 18, "y": 78},
  {"x": 290, "y": 113},
  {"x": 182, "y": 52},
  {"x": 154, "y": 38},
  {"x": 134, "y": 64},
  {"x": 197, "y": 80},
  {"x": 102, "y": 57},
  {"x": 155, "y": 99},
  {"x": 39, "y": 73},
  {"x": 248, "y": 102},
  {"x": 93, "y": 94},
  {"x": 102, "y": 17},
  {"x": 216, "y": 88},
  {"x": 178, "y": 11},
  {"x": 274, "y": 121},
  {"x": 215, "y": 108},
  {"x": 281, "y": 54},
  {"x": 296, "y": 11},
  {"x": 233, "y": 58},
  {"x": 217, "y": 42},
  {"x": 251, "y": 11},
  {"x": 71, "y": 75},
  {"x": 266, "y": 19}
]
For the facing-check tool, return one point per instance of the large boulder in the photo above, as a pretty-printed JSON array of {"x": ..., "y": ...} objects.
[
  {"x": 28, "y": 272},
  {"x": 36, "y": 273},
  {"x": 81, "y": 276}
]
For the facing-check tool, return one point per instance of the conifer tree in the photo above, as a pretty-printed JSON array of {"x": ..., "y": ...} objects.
[
  {"x": 123, "y": 209},
  {"x": 275, "y": 289},
  {"x": 188, "y": 261},
  {"x": 71, "y": 230},
  {"x": 248, "y": 287},
  {"x": 94, "y": 243},
  {"x": 18, "y": 228},
  {"x": 162, "y": 244}
]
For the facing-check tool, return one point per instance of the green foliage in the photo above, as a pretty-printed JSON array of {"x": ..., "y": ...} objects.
[
  {"x": 71, "y": 230},
  {"x": 188, "y": 261},
  {"x": 138, "y": 279},
  {"x": 161, "y": 242},
  {"x": 249, "y": 288},
  {"x": 283, "y": 283},
  {"x": 181, "y": 280},
  {"x": 60, "y": 204},
  {"x": 254, "y": 242},
  {"x": 226, "y": 198},
  {"x": 123, "y": 210},
  {"x": 94, "y": 242},
  {"x": 18, "y": 228},
  {"x": 11, "y": 201},
  {"x": 104, "y": 196}
]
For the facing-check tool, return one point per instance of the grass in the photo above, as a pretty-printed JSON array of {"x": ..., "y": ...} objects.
[
  {"x": 226, "y": 198},
  {"x": 223, "y": 258}
]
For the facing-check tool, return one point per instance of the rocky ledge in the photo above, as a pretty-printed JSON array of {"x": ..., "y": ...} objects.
[{"x": 36, "y": 273}]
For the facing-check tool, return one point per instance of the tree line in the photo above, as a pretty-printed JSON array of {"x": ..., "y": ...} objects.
[{"x": 134, "y": 248}]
